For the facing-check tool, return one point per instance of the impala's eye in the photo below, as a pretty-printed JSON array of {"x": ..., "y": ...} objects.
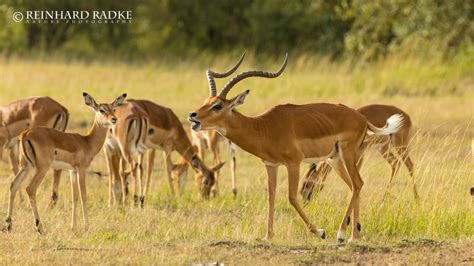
[
  {"x": 216, "y": 107},
  {"x": 102, "y": 112}
]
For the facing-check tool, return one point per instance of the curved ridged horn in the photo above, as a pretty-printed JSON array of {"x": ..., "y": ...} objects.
[
  {"x": 211, "y": 75},
  {"x": 248, "y": 74}
]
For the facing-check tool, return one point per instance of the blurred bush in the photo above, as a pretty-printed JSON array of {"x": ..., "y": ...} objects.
[{"x": 358, "y": 29}]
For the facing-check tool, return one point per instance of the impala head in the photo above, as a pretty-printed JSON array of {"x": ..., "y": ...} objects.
[
  {"x": 205, "y": 177},
  {"x": 104, "y": 112},
  {"x": 217, "y": 108}
]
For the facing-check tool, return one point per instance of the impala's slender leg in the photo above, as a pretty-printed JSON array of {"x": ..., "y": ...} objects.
[
  {"x": 124, "y": 175},
  {"x": 293, "y": 182},
  {"x": 151, "y": 159},
  {"x": 338, "y": 166},
  {"x": 56, "y": 180},
  {"x": 81, "y": 175},
  {"x": 140, "y": 178},
  {"x": 134, "y": 168},
  {"x": 360, "y": 162},
  {"x": 14, "y": 186},
  {"x": 108, "y": 158},
  {"x": 168, "y": 167},
  {"x": 75, "y": 196},
  {"x": 217, "y": 161},
  {"x": 118, "y": 181},
  {"x": 348, "y": 169},
  {"x": 358, "y": 183},
  {"x": 31, "y": 191},
  {"x": 393, "y": 161},
  {"x": 233, "y": 164},
  {"x": 13, "y": 158},
  {"x": 403, "y": 152},
  {"x": 272, "y": 172}
]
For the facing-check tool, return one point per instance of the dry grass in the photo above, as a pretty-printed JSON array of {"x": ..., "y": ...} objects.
[{"x": 187, "y": 229}]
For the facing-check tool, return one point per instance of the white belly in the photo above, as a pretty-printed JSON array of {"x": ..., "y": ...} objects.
[
  {"x": 60, "y": 165},
  {"x": 151, "y": 145},
  {"x": 319, "y": 159}
]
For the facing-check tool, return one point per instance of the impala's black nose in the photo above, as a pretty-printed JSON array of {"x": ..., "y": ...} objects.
[{"x": 192, "y": 114}]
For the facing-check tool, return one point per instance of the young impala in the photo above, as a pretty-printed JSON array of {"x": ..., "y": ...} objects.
[
  {"x": 28, "y": 113},
  {"x": 42, "y": 148},
  {"x": 123, "y": 142},
  {"x": 290, "y": 134},
  {"x": 387, "y": 146}
]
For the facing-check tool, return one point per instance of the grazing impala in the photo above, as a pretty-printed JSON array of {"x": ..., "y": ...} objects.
[
  {"x": 377, "y": 115},
  {"x": 28, "y": 113},
  {"x": 211, "y": 140},
  {"x": 165, "y": 132},
  {"x": 42, "y": 148},
  {"x": 290, "y": 134}
]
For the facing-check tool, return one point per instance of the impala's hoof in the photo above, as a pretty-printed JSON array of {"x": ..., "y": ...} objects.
[
  {"x": 136, "y": 199},
  {"x": 340, "y": 237},
  {"x": 8, "y": 224},
  {"x": 322, "y": 233},
  {"x": 39, "y": 227},
  {"x": 319, "y": 232},
  {"x": 234, "y": 192},
  {"x": 142, "y": 201},
  {"x": 54, "y": 198},
  {"x": 268, "y": 236}
]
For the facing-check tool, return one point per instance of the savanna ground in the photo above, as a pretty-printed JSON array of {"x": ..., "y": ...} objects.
[{"x": 437, "y": 228}]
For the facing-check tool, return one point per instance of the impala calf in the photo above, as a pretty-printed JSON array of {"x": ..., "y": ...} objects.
[
  {"x": 123, "y": 142},
  {"x": 290, "y": 134},
  {"x": 42, "y": 148},
  {"x": 28, "y": 113},
  {"x": 387, "y": 146}
]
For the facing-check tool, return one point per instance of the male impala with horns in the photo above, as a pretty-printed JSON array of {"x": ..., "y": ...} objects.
[{"x": 290, "y": 134}]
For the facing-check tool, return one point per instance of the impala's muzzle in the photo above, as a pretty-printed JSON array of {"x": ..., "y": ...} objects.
[{"x": 195, "y": 124}]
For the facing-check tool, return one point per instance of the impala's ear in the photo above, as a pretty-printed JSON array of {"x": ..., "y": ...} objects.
[
  {"x": 90, "y": 101},
  {"x": 217, "y": 167},
  {"x": 239, "y": 99},
  {"x": 119, "y": 101}
]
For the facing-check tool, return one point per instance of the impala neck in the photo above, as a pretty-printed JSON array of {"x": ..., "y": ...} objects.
[
  {"x": 245, "y": 131},
  {"x": 96, "y": 137}
]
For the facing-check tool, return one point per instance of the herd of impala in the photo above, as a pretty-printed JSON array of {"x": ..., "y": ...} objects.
[{"x": 33, "y": 130}]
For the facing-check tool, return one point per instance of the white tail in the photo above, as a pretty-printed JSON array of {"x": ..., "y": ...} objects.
[{"x": 394, "y": 123}]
